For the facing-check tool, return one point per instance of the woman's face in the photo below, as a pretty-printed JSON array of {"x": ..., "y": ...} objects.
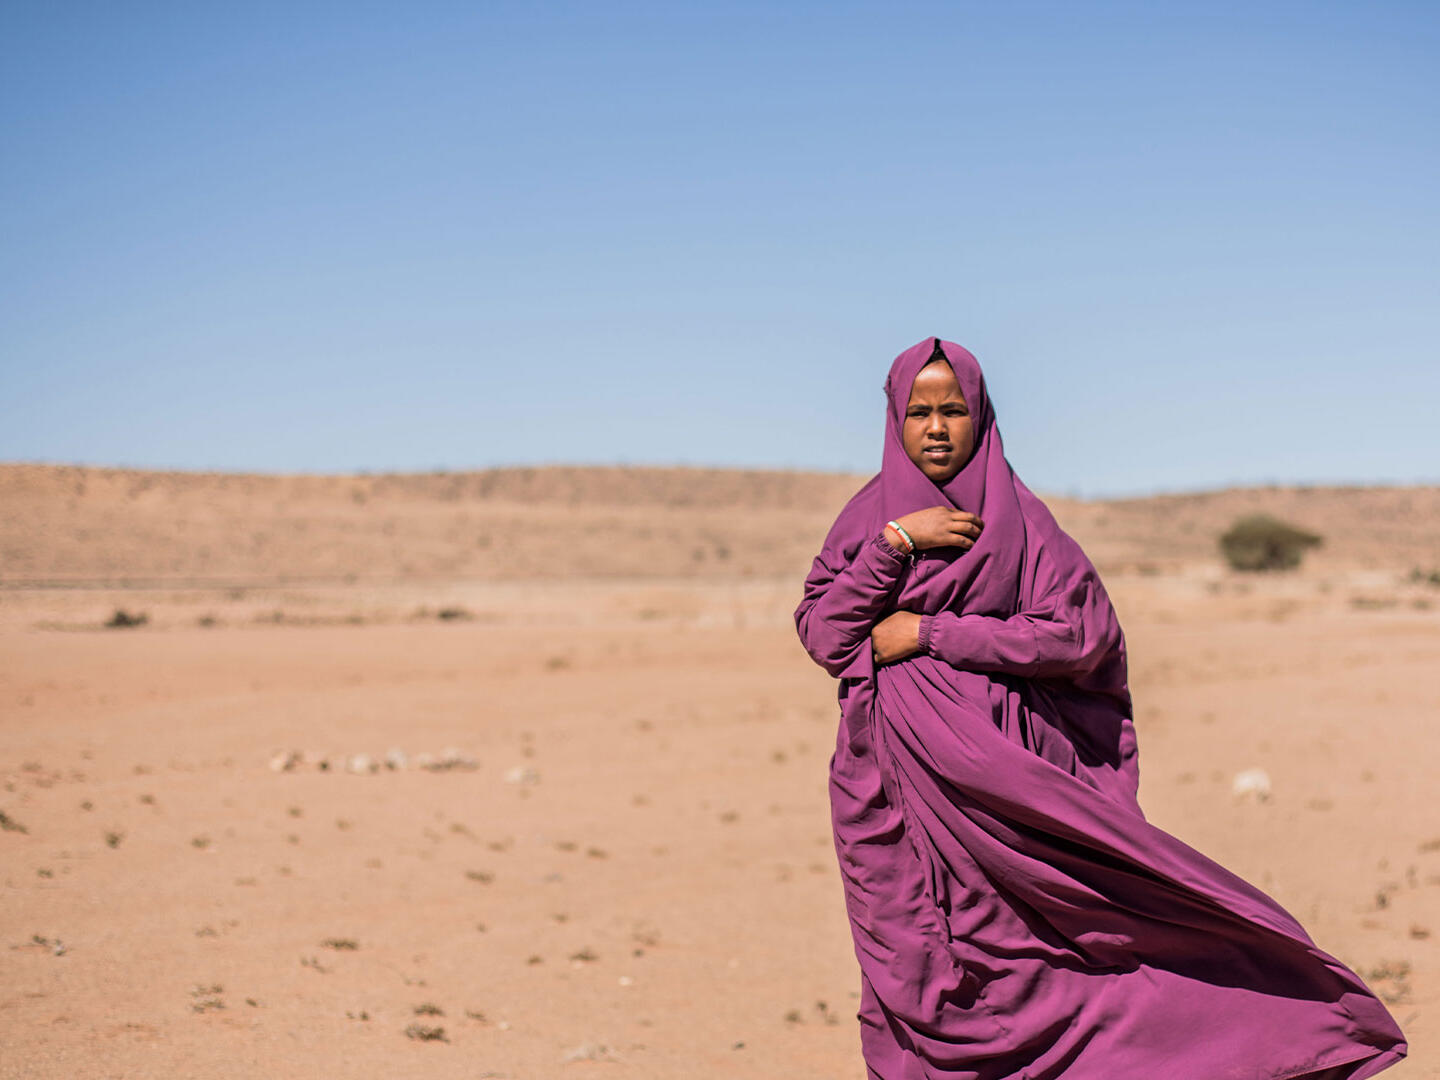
[{"x": 938, "y": 432}]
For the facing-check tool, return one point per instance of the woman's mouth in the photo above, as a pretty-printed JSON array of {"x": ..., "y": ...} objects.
[{"x": 936, "y": 451}]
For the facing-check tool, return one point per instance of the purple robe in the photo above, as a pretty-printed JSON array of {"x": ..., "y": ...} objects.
[{"x": 1014, "y": 914}]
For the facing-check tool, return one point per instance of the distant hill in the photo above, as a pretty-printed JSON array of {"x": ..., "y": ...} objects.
[{"x": 62, "y": 524}]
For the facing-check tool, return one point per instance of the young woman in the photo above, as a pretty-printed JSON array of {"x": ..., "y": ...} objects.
[{"x": 1014, "y": 914}]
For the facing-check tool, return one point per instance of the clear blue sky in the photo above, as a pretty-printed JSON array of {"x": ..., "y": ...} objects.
[{"x": 1192, "y": 244}]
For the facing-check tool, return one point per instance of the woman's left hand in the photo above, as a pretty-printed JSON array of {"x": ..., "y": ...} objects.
[{"x": 895, "y": 637}]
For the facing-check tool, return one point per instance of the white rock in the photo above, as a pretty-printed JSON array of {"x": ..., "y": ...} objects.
[
  {"x": 424, "y": 760},
  {"x": 361, "y": 763},
  {"x": 284, "y": 761},
  {"x": 522, "y": 774},
  {"x": 395, "y": 758},
  {"x": 1251, "y": 782},
  {"x": 589, "y": 1052}
]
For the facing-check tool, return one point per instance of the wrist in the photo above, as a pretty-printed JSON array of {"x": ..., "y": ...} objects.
[{"x": 899, "y": 537}]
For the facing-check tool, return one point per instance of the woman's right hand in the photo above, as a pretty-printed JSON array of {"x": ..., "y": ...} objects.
[{"x": 940, "y": 526}]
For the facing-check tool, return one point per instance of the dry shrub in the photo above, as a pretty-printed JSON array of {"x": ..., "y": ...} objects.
[{"x": 1262, "y": 542}]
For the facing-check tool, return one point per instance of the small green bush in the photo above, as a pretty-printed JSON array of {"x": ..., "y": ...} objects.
[{"x": 1261, "y": 542}]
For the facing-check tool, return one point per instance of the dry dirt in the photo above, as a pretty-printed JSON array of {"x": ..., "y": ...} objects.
[{"x": 626, "y": 870}]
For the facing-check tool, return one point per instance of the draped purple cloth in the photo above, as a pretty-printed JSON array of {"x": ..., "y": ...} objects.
[{"x": 1014, "y": 914}]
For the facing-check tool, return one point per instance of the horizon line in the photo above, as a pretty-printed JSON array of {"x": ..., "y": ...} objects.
[{"x": 446, "y": 470}]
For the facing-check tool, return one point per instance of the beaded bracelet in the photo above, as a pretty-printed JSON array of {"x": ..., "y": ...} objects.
[{"x": 910, "y": 544}]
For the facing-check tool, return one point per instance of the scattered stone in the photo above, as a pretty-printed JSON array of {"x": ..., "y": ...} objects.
[
  {"x": 522, "y": 774},
  {"x": 450, "y": 758},
  {"x": 395, "y": 760},
  {"x": 1251, "y": 782},
  {"x": 589, "y": 1052},
  {"x": 207, "y": 998}
]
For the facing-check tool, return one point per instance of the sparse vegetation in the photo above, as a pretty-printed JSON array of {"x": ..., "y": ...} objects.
[
  {"x": 340, "y": 944},
  {"x": 9, "y": 824},
  {"x": 427, "y": 1008},
  {"x": 122, "y": 618},
  {"x": 425, "y": 1033},
  {"x": 1390, "y": 979},
  {"x": 54, "y": 945},
  {"x": 1261, "y": 542}
]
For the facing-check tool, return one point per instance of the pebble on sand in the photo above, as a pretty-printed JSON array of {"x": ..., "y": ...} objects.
[{"x": 1251, "y": 782}]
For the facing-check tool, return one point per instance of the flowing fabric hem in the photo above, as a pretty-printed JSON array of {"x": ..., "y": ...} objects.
[{"x": 1375, "y": 1061}]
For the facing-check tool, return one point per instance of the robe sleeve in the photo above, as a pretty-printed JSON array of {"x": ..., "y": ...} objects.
[
  {"x": 1067, "y": 630},
  {"x": 839, "y": 607}
]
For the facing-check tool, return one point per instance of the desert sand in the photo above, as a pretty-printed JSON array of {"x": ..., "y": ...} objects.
[{"x": 572, "y": 815}]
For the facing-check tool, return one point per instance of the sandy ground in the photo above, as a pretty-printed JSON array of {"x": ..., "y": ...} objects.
[{"x": 628, "y": 870}]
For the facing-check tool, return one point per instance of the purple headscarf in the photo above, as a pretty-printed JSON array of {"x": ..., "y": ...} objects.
[{"x": 986, "y": 578}]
